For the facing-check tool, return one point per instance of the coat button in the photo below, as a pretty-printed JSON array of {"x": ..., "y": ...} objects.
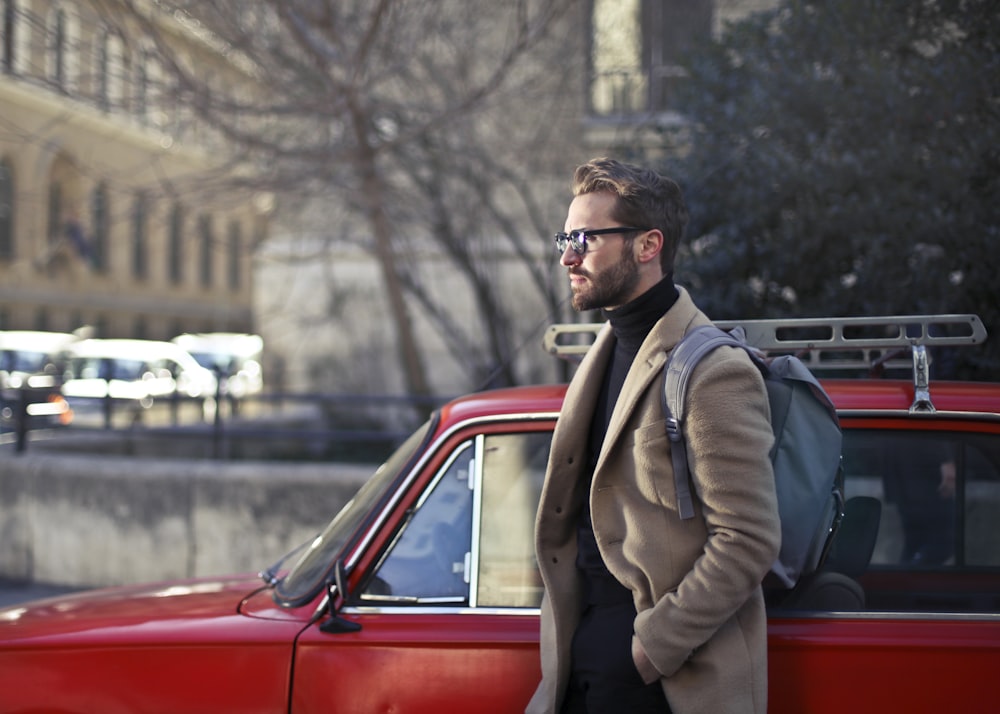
[{"x": 558, "y": 509}]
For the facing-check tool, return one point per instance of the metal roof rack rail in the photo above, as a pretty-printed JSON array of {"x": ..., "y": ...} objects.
[{"x": 867, "y": 344}]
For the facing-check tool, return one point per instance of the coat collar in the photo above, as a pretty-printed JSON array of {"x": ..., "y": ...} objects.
[{"x": 581, "y": 397}]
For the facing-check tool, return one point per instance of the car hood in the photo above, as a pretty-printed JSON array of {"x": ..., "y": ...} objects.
[{"x": 170, "y": 611}]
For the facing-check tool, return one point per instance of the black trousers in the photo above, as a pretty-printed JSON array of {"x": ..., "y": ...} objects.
[{"x": 604, "y": 679}]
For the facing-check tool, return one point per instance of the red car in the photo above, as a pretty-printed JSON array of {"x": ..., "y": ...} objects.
[{"x": 422, "y": 594}]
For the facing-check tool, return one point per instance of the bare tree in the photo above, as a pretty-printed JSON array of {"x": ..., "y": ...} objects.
[{"x": 433, "y": 122}]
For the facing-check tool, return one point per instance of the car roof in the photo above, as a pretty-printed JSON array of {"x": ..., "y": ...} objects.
[
  {"x": 893, "y": 394},
  {"x": 229, "y": 343},
  {"x": 35, "y": 340},
  {"x": 131, "y": 349},
  {"x": 861, "y": 394},
  {"x": 539, "y": 400}
]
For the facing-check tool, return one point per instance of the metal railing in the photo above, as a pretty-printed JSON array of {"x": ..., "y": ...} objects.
[{"x": 281, "y": 425}]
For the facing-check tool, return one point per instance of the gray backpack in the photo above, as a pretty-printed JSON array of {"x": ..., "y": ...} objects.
[{"x": 806, "y": 454}]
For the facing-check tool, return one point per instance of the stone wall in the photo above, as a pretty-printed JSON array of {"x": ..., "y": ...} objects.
[{"x": 93, "y": 521}]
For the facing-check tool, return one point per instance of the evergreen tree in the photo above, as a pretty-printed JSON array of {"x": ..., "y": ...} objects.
[{"x": 846, "y": 161}]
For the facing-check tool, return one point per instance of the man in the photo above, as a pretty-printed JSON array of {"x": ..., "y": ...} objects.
[{"x": 644, "y": 611}]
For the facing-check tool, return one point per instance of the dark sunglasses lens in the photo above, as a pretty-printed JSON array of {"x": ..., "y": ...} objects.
[{"x": 577, "y": 240}]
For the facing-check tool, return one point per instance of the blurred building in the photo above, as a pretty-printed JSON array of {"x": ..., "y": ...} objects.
[
  {"x": 113, "y": 211},
  {"x": 634, "y": 54}
]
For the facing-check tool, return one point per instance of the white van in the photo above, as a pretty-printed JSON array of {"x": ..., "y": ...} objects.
[
  {"x": 31, "y": 354},
  {"x": 233, "y": 355},
  {"x": 141, "y": 370},
  {"x": 30, "y": 366}
]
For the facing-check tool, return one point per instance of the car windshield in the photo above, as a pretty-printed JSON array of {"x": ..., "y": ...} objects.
[
  {"x": 128, "y": 370},
  {"x": 23, "y": 361},
  {"x": 307, "y": 575},
  {"x": 216, "y": 362}
]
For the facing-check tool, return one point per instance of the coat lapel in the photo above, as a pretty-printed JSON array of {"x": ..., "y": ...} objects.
[
  {"x": 648, "y": 364},
  {"x": 568, "y": 457}
]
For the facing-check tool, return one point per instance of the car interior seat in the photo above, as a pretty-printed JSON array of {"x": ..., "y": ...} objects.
[{"x": 834, "y": 587}]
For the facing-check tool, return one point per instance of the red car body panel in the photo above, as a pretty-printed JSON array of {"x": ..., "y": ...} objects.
[
  {"x": 226, "y": 646},
  {"x": 178, "y": 647},
  {"x": 419, "y": 663},
  {"x": 876, "y": 665}
]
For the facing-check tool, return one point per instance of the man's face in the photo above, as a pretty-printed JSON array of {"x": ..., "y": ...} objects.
[{"x": 607, "y": 274}]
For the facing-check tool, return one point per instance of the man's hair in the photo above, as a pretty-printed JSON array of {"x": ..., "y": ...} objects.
[{"x": 645, "y": 199}]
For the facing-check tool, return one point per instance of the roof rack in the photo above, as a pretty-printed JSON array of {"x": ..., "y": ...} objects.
[{"x": 868, "y": 344}]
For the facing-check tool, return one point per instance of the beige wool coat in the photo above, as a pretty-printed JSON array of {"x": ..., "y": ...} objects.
[{"x": 695, "y": 582}]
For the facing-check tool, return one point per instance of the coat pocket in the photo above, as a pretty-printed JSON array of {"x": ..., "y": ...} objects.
[{"x": 654, "y": 473}]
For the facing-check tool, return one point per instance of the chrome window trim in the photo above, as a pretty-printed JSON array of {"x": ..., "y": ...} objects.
[
  {"x": 909, "y": 616},
  {"x": 440, "y": 610},
  {"x": 905, "y": 414},
  {"x": 410, "y": 600},
  {"x": 472, "y": 573},
  {"x": 774, "y": 614}
]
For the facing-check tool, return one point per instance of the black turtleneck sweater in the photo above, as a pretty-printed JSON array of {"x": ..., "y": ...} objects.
[{"x": 631, "y": 324}]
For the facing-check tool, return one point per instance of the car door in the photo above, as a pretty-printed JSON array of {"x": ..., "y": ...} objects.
[
  {"x": 447, "y": 603},
  {"x": 927, "y": 636}
]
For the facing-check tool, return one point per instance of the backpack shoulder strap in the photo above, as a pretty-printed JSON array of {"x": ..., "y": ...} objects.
[{"x": 683, "y": 359}]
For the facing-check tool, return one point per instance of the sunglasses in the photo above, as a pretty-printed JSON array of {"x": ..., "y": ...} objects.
[{"x": 578, "y": 239}]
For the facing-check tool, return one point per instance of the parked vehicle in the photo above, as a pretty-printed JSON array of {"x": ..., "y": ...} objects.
[
  {"x": 422, "y": 594},
  {"x": 31, "y": 377},
  {"x": 136, "y": 370},
  {"x": 234, "y": 357}
]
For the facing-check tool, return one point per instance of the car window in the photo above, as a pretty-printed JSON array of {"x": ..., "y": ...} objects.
[
  {"x": 938, "y": 547},
  {"x": 470, "y": 538},
  {"x": 428, "y": 560},
  {"x": 513, "y": 471}
]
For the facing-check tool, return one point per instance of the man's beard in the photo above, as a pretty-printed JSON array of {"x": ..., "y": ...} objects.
[{"x": 609, "y": 288}]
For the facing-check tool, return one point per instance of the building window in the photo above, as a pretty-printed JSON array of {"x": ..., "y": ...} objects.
[
  {"x": 42, "y": 320},
  {"x": 16, "y": 36},
  {"x": 99, "y": 221},
  {"x": 140, "y": 97},
  {"x": 102, "y": 61},
  {"x": 55, "y": 213},
  {"x": 175, "y": 254},
  {"x": 9, "y": 28},
  {"x": 155, "y": 114},
  {"x": 636, "y": 48},
  {"x": 235, "y": 255},
  {"x": 57, "y": 47},
  {"x": 114, "y": 79},
  {"x": 6, "y": 211},
  {"x": 139, "y": 239},
  {"x": 205, "y": 240},
  {"x": 617, "y": 85},
  {"x": 670, "y": 30}
]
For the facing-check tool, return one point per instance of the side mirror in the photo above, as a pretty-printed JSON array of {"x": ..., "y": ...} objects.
[{"x": 336, "y": 624}]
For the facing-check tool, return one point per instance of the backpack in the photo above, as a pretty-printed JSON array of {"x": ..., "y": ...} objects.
[{"x": 806, "y": 455}]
